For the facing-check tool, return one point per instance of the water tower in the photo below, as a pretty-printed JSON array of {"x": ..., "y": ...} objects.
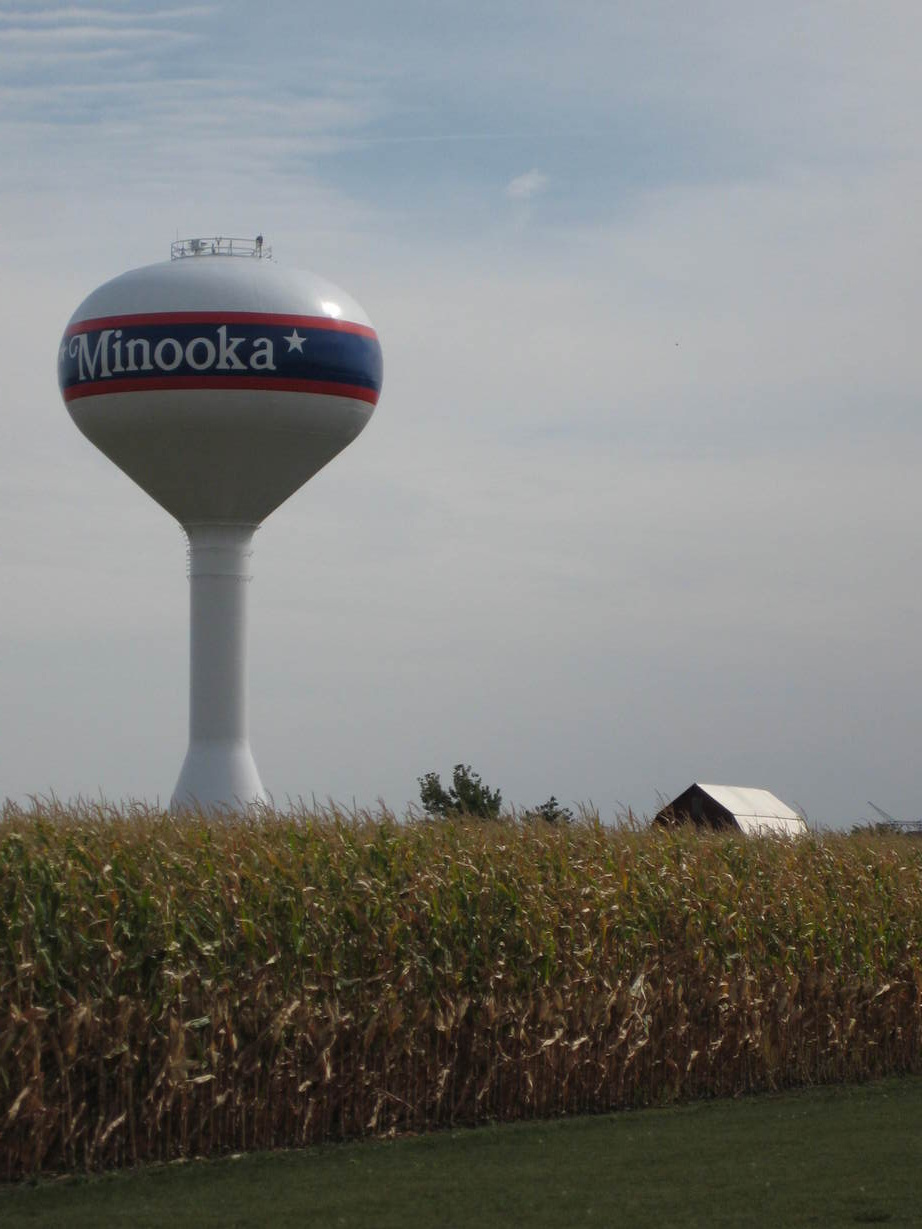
[{"x": 220, "y": 383}]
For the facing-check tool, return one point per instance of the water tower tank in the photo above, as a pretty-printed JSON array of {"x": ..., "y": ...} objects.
[{"x": 220, "y": 383}]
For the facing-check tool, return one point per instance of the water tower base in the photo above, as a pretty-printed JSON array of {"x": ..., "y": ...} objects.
[{"x": 218, "y": 775}]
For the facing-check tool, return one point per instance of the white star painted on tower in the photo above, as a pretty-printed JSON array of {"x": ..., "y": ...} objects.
[{"x": 295, "y": 341}]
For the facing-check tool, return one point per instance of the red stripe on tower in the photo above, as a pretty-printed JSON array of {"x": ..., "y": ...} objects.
[
  {"x": 327, "y": 388},
  {"x": 218, "y": 318}
]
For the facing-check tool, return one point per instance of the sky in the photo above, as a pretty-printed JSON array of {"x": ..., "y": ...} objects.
[{"x": 639, "y": 504}]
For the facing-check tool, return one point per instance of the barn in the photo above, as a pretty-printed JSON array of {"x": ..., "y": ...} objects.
[{"x": 754, "y": 812}]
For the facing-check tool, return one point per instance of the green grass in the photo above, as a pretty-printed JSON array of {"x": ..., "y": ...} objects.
[{"x": 830, "y": 1156}]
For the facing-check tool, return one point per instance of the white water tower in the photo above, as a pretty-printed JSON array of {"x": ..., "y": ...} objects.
[{"x": 220, "y": 383}]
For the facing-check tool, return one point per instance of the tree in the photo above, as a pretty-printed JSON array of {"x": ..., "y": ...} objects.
[
  {"x": 467, "y": 794},
  {"x": 551, "y": 812}
]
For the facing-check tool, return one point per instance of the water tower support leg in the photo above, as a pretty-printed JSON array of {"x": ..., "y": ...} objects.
[{"x": 219, "y": 769}]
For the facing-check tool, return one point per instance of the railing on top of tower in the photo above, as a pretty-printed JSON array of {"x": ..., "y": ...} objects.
[{"x": 220, "y": 245}]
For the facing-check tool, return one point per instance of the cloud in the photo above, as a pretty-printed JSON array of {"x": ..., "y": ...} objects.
[
  {"x": 38, "y": 39},
  {"x": 34, "y": 58},
  {"x": 56, "y": 16},
  {"x": 526, "y": 186}
]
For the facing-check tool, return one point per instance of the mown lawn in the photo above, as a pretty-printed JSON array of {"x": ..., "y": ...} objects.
[{"x": 830, "y": 1156}]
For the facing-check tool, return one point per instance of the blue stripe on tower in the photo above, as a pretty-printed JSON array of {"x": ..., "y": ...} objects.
[{"x": 211, "y": 353}]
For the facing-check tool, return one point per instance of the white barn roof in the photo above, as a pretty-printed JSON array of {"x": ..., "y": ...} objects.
[{"x": 755, "y": 812}]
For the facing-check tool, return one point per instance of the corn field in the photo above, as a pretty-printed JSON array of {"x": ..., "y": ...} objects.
[{"x": 174, "y": 987}]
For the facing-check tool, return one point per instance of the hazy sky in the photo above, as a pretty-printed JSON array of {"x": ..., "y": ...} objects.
[{"x": 639, "y": 504}]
